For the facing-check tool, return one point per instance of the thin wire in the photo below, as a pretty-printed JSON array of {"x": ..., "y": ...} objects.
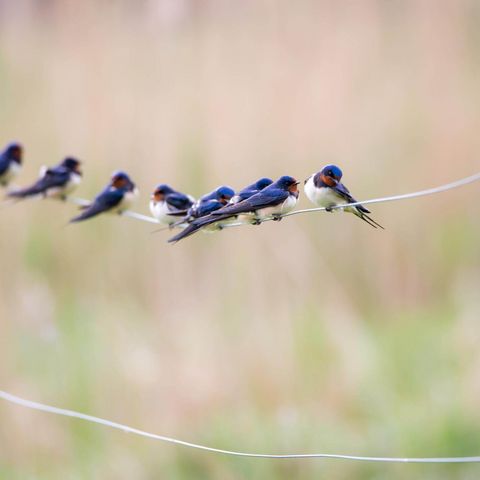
[
  {"x": 89, "y": 418},
  {"x": 421, "y": 193},
  {"x": 139, "y": 216},
  {"x": 82, "y": 202},
  {"x": 393, "y": 198}
]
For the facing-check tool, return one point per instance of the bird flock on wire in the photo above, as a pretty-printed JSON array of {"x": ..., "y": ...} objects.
[{"x": 263, "y": 200}]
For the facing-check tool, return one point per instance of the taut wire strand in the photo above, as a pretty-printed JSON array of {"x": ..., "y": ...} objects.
[
  {"x": 421, "y": 193},
  {"x": 89, "y": 418},
  {"x": 404, "y": 196}
]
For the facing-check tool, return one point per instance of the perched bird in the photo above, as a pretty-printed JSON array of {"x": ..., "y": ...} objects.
[
  {"x": 167, "y": 205},
  {"x": 251, "y": 190},
  {"x": 203, "y": 207},
  {"x": 55, "y": 182},
  {"x": 117, "y": 197},
  {"x": 217, "y": 222},
  {"x": 210, "y": 202},
  {"x": 325, "y": 189},
  {"x": 10, "y": 163}
]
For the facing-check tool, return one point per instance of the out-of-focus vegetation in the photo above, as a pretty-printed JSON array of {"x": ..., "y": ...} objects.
[{"x": 315, "y": 334}]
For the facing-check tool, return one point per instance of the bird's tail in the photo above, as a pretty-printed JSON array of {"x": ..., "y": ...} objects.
[
  {"x": 186, "y": 232},
  {"x": 178, "y": 223},
  {"x": 366, "y": 218},
  {"x": 178, "y": 213},
  {"x": 25, "y": 192},
  {"x": 197, "y": 225},
  {"x": 88, "y": 212}
]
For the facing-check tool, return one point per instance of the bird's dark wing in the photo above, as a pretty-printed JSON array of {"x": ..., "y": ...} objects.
[
  {"x": 343, "y": 191},
  {"x": 178, "y": 201},
  {"x": 4, "y": 163},
  {"x": 52, "y": 178},
  {"x": 206, "y": 208},
  {"x": 209, "y": 219},
  {"x": 265, "y": 198},
  {"x": 197, "y": 225},
  {"x": 246, "y": 193},
  {"x": 107, "y": 200}
]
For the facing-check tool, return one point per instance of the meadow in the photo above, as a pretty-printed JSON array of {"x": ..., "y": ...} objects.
[{"x": 314, "y": 334}]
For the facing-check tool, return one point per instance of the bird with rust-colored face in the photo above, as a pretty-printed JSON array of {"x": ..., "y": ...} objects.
[
  {"x": 214, "y": 222},
  {"x": 10, "y": 163},
  {"x": 55, "y": 182},
  {"x": 324, "y": 189},
  {"x": 166, "y": 204},
  {"x": 117, "y": 197}
]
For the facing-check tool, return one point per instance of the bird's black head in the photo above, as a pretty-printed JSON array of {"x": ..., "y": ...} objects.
[
  {"x": 72, "y": 165},
  {"x": 161, "y": 191},
  {"x": 263, "y": 183},
  {"x": 224, "y": 194},
  {"x": 14, "y": 151},
  {"x": 120, "y": 180},
  {"x": 288, "y": 183},
  {"x": 331, "y": 175}
]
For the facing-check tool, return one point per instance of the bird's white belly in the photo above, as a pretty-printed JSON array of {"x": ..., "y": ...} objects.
[
  {"x": 161, "y": 212},
  {"x": 72, "y": 183},
  {"x": 11, "y": 172},
  {"x": 323, "y": 196},
  {"x": 126, "y": 202},
  {"x": 279, "y": 209}
]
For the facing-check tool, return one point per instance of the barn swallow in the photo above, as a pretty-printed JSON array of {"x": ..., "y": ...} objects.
[
  {"x": 325, "y": 189},
  {"x": 217, "y": 222},
  {"x": 167, "y": 205},
  {"x": 272, "y": 202},
  {"x": 117, "y": 197},
  {"x": 210, "y": 202},
  {"x": 55, "y": 182},
  {"x": 10, "y": 163},
  {"x": 251, "y": 190}
]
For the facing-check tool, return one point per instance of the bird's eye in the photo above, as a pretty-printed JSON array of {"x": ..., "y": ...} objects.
[{"x": 330, "y": 173}]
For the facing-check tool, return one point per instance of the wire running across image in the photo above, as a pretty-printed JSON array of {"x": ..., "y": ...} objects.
[
  {"x": 405, "y": 196},
  {"x": 125, "y": 428}
]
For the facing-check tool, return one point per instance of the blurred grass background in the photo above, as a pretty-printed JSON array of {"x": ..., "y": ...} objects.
[{"x": 315, "y": 334}]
